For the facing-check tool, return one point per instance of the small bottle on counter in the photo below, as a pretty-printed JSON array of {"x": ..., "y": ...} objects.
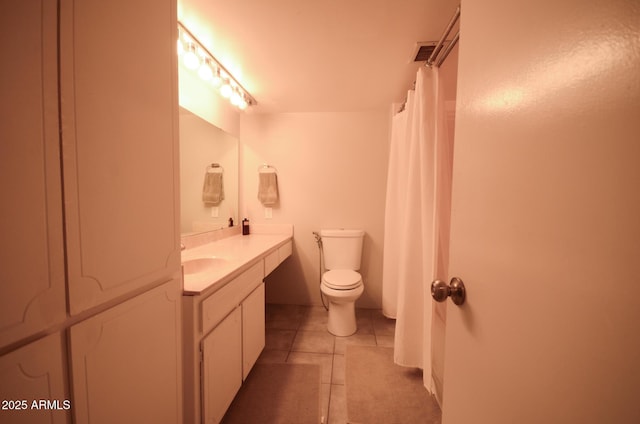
[
  {"x": 245, "y": 227},
  {"x": 230, "y": 222}
]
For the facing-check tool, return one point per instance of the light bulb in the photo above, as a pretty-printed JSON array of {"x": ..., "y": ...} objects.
[
  {"x": 217, "y": 79},
  {"x": 235, "y": 98},
  {"x": 197, "y": 58},
  {"x": 226, "y": 90},
  {"x": 205, "y": 72},
  {"x": 190, "y": 57}
]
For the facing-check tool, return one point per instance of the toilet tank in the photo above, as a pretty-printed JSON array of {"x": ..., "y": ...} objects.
[{"x": 342, "y": 249}]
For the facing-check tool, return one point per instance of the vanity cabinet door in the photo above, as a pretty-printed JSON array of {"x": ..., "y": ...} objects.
[
  {"x": 253, "y": 329},
  {"x": 126, "y": 362},
  {"x": 32, "y": 291},
  {"x": 119, "y": 112},
  {"x": 222, "y": 366},
  {"x": 34, "y": 373}
]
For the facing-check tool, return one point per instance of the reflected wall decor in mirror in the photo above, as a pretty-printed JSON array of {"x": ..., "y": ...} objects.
[{"x": 201, "y": 145}]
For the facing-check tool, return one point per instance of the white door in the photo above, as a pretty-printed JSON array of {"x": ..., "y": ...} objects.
[
  {"x": 253, "y": 329},
  {"x": 126, "y": 362},
  {"x": 32, "y": 281},
  {"x": 546, "y": 215},
  {"x": 119, "y": 122},
  {"x": 221, "y": 367},
  {"x": 32, "y": 383}
]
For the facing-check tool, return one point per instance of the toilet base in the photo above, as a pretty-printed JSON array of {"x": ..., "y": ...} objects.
[
  {"x": 342, "y": 319},
  {"x": 342, "y": 309}
]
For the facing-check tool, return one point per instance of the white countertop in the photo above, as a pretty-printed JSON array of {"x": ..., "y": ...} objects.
[{"x": 237, "y": 253}]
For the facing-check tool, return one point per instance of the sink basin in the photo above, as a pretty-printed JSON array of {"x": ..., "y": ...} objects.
[{"x": 194, "y": 266}]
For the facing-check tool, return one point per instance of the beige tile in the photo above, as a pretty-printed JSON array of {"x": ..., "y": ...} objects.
[
  {"x": 277, "y": 311},
  {"x": 325, "y": 360},
  {"x": 273, "y": 356},
  {"x": 279, "y": 339},
  {"x": 315, "y": 318},
  {"x": 283, "y": 317},
  {"x": 382, "y": 325},
  {"x": 338, "y": 405},
  {"x": 364, "y": 312},
  {"x": 313, "y": 341},
  {"x": 384, "y": 341},
  {"x": 337, "y": 376},
  {"x": 356, "y": 339},
  {"x": 314, "y": 311},
  {"x": 298, "y": 334},
  {"x": 364, "y": 322},
  {"x": 317, "y": 325},
  {"x": 282, "y": 324}
]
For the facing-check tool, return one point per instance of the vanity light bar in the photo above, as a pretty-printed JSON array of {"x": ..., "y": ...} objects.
[{"x": 197, "y": 58}]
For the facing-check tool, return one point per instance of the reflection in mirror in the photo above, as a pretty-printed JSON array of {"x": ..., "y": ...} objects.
[{"x": 202, "y": 144}]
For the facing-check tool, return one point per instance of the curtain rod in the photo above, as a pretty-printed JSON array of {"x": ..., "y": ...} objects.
[
  {"x": 440, "y": 45},
  {"x": 448, "y": 49},
  {"x": 436, "y": 52}
]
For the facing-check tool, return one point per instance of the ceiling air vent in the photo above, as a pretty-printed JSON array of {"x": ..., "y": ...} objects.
[{"x": 422, "y": 51}]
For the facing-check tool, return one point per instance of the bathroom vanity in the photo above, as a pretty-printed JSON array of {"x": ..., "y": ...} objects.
[{"x": 224, "y": 317}]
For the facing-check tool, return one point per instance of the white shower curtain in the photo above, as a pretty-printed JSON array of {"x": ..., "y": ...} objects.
[
  {"x": 411, "y": 236},
  {"x": 396, "y": 177}
]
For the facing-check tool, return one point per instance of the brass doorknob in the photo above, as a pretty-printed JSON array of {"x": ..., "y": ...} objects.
[{"x": 455, "y": 289}]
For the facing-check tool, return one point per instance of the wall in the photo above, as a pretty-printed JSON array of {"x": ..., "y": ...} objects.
[{"x": 332, "y": 171}]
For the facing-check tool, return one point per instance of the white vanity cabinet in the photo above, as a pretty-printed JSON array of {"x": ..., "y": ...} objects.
[
  {"x": 224, "y": 333},
  {"x": 229, "y": 352},
  {"x": 227, "y": 338}
]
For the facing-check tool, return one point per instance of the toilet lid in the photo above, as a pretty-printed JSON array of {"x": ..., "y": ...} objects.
[{"x": 341, "y": 279}]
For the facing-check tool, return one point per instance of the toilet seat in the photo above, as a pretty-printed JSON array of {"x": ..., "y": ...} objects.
[{"x": 342, "y": 279}]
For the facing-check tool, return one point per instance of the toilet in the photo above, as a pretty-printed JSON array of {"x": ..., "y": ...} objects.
[{"x": 341, "y": 283}]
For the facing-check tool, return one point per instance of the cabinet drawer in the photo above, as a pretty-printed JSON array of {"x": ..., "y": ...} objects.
[
  {"x": 271, "y": 261},
  {"x": 219, "y": 304},
  {"x": 285, "y": 250},
  {"x": 276, "y": 257}
]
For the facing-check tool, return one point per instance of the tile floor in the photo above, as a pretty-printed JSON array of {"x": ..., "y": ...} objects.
[{"x": 298, "y": 334}]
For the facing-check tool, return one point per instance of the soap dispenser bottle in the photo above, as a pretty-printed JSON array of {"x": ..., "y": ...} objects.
[{"x": 245, "y": 227}]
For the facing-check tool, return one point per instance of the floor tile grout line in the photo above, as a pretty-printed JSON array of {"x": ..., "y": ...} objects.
[
  {"x": 330, "y": 391},
  {"x": 307, "y": 320}
]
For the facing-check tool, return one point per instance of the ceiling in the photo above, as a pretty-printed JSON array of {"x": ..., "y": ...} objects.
[{"x": 318, "y": 55}]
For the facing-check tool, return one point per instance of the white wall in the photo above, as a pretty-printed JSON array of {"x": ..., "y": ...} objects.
[{"x": 332, "y": 170}]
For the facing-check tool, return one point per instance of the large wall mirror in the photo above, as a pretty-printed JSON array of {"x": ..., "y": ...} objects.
[{"x": 201, "y": 145}]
